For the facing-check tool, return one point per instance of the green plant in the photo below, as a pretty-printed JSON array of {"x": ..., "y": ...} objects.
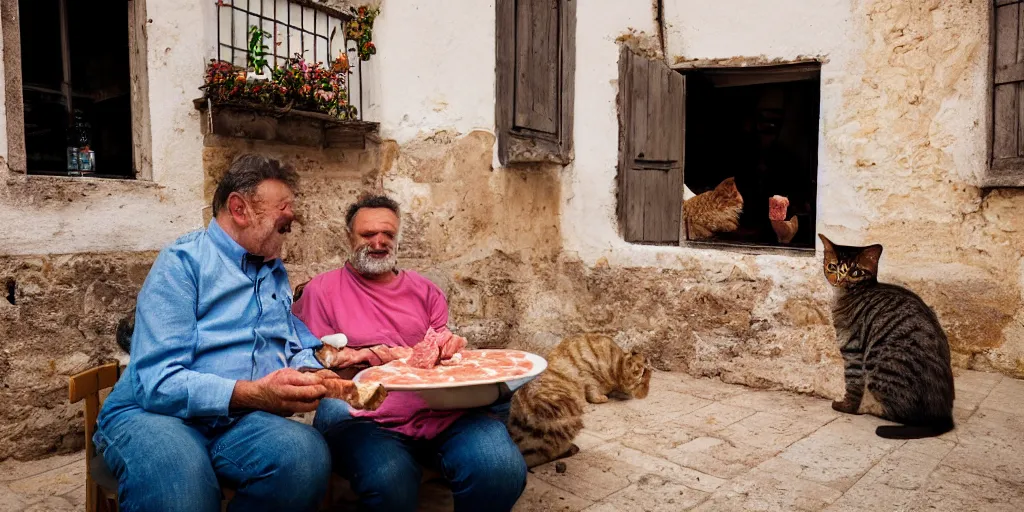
[
  {"x": 257, "y": 49},
  {"x": 360, "y": 30},
  {"x": 295, "y": 85}
]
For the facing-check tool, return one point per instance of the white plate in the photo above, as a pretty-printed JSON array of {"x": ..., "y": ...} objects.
[{"x": 539, "y": 365}]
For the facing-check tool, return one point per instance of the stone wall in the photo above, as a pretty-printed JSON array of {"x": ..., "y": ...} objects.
[{"x": 62, "y": 319}]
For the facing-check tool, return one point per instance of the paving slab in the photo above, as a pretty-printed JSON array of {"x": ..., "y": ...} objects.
[{"x": 700, "y": 444}]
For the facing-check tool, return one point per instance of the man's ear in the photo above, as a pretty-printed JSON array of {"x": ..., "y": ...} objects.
[{"x": 239, "y": 209}]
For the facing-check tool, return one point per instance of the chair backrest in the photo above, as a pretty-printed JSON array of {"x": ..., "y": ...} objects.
[
  {"x": 298, "y": 290},
  {"x": 87, "y": 385}
]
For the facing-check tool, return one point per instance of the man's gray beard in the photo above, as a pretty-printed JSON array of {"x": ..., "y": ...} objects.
[{"x": 367, "y": 265}]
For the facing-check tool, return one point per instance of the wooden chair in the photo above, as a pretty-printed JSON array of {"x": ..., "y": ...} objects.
[{"x": 100, "y": 483}]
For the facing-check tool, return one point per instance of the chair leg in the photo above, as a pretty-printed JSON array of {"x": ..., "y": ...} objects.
[{"x": 93, "y": 497}]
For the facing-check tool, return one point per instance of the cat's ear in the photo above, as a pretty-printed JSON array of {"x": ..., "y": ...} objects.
[
  {"x": 727, "y": 185},
  {"x": 869, "y": 256},
  {"x": 830, "y": 249}
]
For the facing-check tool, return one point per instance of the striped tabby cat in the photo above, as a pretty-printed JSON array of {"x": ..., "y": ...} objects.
[
  {"x": 547, "y": 413},
  {"x": 715, "y": 211},
  {"x": 895, "y": 352}
]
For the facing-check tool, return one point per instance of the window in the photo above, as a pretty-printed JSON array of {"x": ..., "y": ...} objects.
[
  {"x": 76, "y": 88},
  {"x": 536, "y": 53},
  {"x": 757, "y": 125},
  {"x": 1006, "y": 143}
]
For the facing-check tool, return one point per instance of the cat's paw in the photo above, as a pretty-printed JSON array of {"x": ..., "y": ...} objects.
[
  {"x": 594, "y": 395},
  {"x": 845, "y": 407}
]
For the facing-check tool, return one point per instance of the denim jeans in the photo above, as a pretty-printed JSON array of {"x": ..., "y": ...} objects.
[
  {"x": 476, "y": 455},
  {"x": 164, "y": 464}
]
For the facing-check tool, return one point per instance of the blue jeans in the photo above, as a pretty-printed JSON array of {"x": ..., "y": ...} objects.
[
  {"x": 476, "y": 455},
  {"x": 164, "y": 464}
]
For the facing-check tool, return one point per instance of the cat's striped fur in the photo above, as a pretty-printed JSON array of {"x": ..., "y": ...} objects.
[
  {"x": 715, "y": 211},
  {"x": 895, "y": 353},
  {"x": 546, "y": 414}
]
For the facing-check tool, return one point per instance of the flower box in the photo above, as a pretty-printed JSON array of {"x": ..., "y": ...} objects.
[{"x": 288, "y": 126}]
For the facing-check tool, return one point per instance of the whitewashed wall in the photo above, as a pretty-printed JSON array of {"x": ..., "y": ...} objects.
[{"x": 47, "y": 215}]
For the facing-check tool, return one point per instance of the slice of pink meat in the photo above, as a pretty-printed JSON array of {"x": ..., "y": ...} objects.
[
  {"x": 777, "y": 206},
  {"x": 425, "y": 354}
]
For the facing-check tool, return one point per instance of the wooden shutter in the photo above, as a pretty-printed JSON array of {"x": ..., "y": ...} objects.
[
  {"x": 1007, "y": 91},
  {"x": 652, "y": 115},
  {"x": 536, "y": 54}
]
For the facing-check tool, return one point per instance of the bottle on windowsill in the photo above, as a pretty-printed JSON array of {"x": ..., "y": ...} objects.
[
  {"x": 81, "y": 158},
  {"x": 72, "y": 150}
]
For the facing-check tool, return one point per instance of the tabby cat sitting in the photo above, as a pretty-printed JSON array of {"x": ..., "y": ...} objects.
[
  {"x": 547, "y": 413},
  {"x": 895, "y": 353}
]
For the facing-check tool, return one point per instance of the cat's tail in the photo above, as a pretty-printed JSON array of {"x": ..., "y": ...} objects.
[{"x": 934, "y": 428}]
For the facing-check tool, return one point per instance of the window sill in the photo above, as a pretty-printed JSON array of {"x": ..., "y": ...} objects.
[
  {"x": 80, "y": 188},
  {"x": 750, "y": 249},
  {"x": 1002, "y": 179},
  {"x": 90, "y": 176},
  {"x": 297, "y": 127},
  {"x": 733, "y": 247}
]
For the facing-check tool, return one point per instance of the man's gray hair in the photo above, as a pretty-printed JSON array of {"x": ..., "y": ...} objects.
[
  {"x": 370, "y": 201},
  {"x": 246, "y": 173}
]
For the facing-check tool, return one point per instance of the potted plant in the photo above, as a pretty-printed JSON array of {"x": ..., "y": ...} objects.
[{"x": 256, "y": 58}]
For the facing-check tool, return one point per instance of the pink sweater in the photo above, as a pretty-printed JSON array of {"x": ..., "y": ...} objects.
[{"x": 370, "y": 313}]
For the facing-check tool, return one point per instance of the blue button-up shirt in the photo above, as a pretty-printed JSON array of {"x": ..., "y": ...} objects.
[{"x": 206, "y": 317}]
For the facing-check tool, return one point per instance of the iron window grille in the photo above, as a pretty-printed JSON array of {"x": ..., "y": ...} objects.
[{"x": 314, "y": 31}]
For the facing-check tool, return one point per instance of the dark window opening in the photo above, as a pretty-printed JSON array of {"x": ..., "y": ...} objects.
[
  {"x": 12, "y": 292},
  {"x": 760, "y": 126},
  {"x": 79, "y": 58}
]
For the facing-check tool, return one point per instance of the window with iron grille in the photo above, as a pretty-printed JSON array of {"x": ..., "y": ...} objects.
[{"x": 314, "y": 31}]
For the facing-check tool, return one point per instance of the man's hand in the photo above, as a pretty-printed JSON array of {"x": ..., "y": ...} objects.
[
  {"x": 344, "y": 357},
  {"x": 285, "y": 392},
  {"x": 385, "y": 354},
  {"x": 452, "y": 345}
]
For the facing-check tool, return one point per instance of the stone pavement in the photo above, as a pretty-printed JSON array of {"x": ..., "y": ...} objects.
[{"x": 703, "y": 445}]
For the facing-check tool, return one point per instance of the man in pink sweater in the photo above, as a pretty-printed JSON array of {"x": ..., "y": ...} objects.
[{"x": 374, "y": 303}]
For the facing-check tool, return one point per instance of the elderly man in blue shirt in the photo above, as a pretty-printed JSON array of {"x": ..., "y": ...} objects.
[{"x": 213, "y": 376}]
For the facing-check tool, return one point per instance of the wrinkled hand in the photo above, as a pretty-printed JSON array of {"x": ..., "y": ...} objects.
[
  {"x": 344, "y": 357},
  {"x": 451, "y": 346},
  {"x": 385, "y": 354},
  {"x": 285, "y": 392}
]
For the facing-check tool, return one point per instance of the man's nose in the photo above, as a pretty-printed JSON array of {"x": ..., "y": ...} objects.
[{"x": 378, "y": 242}]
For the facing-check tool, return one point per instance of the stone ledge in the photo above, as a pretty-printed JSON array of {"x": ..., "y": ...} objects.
[{"x": 298, "y": 127}]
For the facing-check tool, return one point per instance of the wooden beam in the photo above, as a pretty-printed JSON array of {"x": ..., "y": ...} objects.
[{"x": 65, "y": 56}]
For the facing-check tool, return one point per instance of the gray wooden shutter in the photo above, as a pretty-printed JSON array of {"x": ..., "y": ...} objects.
[
  {"x": 1007, "y": 101},
  {"x": 652, "y": 117},
  {"x": 536, "y": 54}
]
